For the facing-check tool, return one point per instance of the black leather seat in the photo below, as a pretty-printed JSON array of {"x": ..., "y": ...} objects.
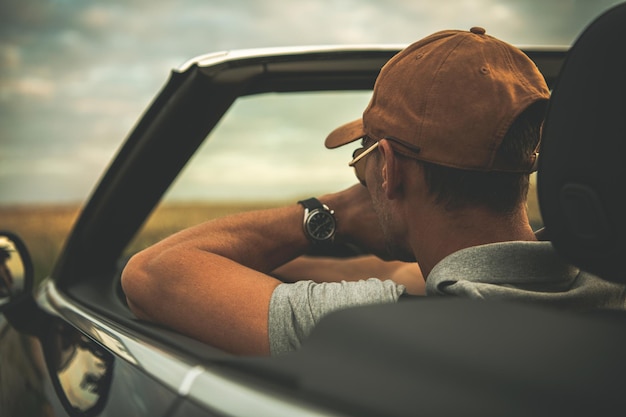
[{"x": 582, "y": 166}]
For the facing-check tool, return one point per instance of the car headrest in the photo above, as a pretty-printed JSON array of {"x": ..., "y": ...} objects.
[{"x": 582, "y": 166}]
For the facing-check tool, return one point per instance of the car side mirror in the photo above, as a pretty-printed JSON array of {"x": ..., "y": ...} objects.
[{"x": 16, "y": 270}]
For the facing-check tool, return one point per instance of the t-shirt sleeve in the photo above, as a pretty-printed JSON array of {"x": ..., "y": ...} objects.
[{"x": 296, "y": 308}]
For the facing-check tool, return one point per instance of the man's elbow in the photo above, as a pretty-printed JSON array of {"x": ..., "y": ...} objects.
[{"x": 137, "y": 285}]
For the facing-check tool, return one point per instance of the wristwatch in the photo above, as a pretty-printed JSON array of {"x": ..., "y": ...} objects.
[{"x": 319, "y": 221}]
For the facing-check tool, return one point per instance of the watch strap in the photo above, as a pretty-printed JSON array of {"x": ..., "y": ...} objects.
[{"x": 311, "y": 203}]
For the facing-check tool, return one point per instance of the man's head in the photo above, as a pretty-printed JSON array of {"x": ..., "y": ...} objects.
[{"x": 449, "y": 99}]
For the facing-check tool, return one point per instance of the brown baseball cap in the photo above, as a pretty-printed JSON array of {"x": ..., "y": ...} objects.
[{"x": 449, "y": 99}]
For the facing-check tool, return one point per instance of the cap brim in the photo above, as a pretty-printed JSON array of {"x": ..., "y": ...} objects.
[{"x": 345, "y": 134}]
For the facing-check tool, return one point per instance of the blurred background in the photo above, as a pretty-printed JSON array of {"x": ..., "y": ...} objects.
[{"x": 75, "y": 75}]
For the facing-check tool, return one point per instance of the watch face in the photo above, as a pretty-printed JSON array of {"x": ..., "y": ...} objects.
[{"x": 320, "y": 225}]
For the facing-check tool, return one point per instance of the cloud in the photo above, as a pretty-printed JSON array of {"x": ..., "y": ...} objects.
[
  {"x": 76, "y": 74},
  {"x": 24, "y": 88}
]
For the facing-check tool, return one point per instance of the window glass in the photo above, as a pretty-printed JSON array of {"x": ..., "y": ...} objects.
[{"x": 268, "y": 150}]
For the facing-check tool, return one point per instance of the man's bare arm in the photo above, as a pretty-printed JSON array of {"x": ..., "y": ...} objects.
[
  {"x": 324, "y": 269},
  {"x": 210, "y": 281}
]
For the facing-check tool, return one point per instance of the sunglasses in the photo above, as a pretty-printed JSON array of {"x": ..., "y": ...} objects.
[{"x": 358, "y": 156}]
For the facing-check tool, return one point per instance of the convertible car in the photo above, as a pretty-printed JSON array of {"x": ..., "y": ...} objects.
[{"x": 72, "y": 347}]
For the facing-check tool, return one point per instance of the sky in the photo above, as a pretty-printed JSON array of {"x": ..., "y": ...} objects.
[{"x": 75, "y": 75}]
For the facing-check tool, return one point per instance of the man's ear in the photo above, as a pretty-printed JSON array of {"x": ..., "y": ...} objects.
[{"x": 391, "y": 170}]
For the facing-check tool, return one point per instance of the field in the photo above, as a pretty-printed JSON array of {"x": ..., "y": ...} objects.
[{"x": 45, "y": 228}]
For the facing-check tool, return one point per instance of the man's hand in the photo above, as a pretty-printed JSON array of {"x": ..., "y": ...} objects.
[{"x": 357, "y": 222}]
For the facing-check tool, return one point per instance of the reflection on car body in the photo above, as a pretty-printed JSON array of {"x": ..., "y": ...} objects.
[{"x": 83, "y": 368}]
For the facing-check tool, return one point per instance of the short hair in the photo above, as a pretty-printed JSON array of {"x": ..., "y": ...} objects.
[{"x": 501, "y": 192}]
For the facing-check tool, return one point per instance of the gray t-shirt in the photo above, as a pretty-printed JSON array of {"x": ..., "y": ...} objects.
[
  {"x": 519, "y": 271},
  {"x": 522, "y": 271},
  {"x": 296, "y": 308}
]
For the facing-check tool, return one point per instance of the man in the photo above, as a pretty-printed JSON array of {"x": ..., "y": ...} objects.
[{"x": 448, "y": 141}]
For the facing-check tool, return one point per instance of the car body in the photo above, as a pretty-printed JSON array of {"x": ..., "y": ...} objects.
[{"x": 77, "y": 349}]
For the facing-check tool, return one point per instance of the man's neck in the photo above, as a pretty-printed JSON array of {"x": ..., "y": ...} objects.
[{"x": 439, "y": 234}]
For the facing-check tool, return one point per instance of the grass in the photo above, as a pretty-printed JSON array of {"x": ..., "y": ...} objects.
[
  {"x": 45, "y": 228},
  {"x": 42, "y": 228},
  {"x": 534, "y": 214},
  {"x": 173, "y": 217}
]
